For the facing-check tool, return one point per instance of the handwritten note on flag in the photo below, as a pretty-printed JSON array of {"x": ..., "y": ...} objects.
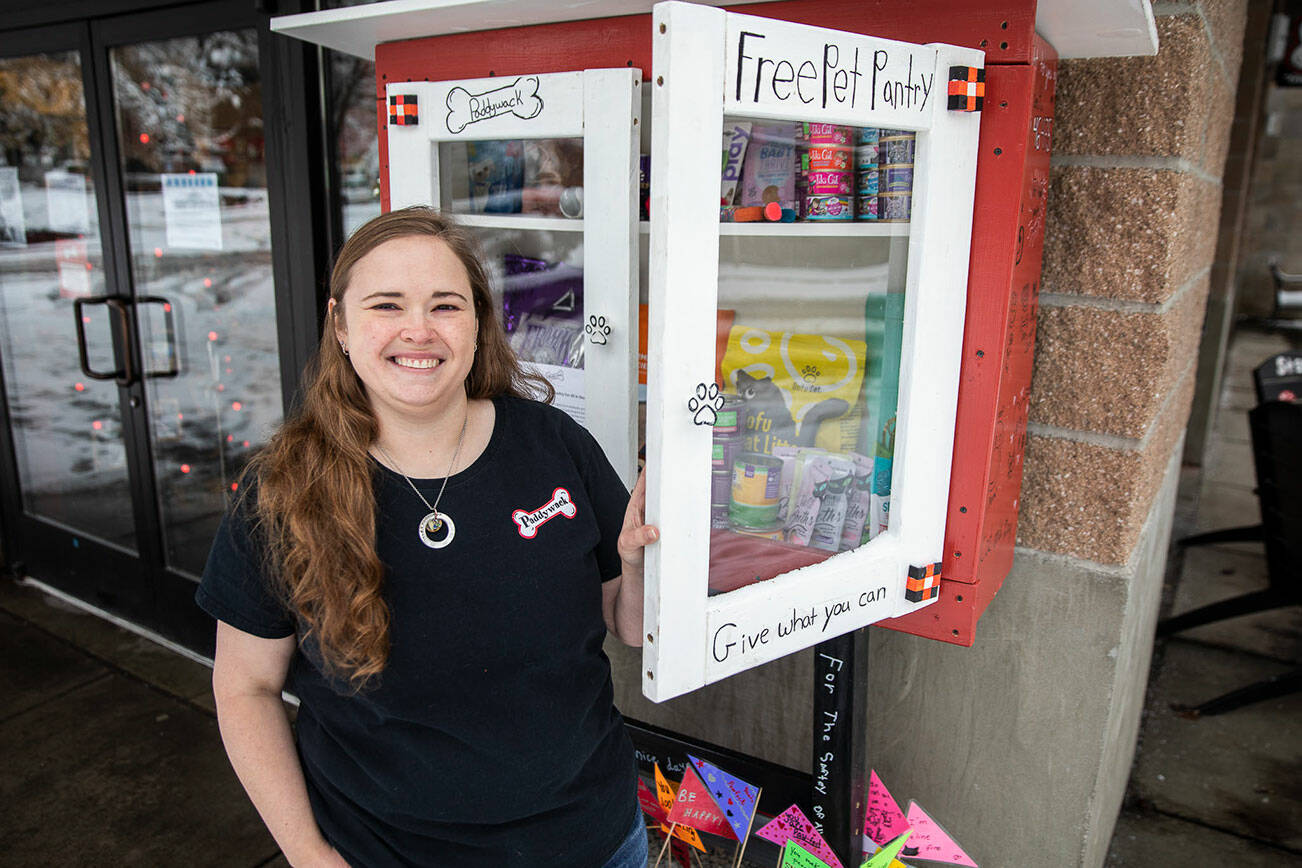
[
  {"x": 883, "y": 820},
  {"x": 932, "y": 842},
  {"x": 734, "y": 797},
  {"x": 793, "y": 825},
  {"x": 795, "y": 856},
  {"x": 650, "y": 804},
  {"x": 693, "y": 806},
  {"x": 664, "y": 791},
  {"x": 665, "y": 797}
]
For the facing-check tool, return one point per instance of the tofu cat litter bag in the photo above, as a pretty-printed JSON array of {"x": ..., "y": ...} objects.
[{"x": 800, "y": 390}]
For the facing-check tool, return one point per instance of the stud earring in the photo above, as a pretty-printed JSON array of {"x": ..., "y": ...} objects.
[{"x": 343, "y": 347}]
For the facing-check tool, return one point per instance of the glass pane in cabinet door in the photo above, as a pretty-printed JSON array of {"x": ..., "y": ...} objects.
[
  {"x": 523, "y": 200},
  {"x": 190, "y": 130},
  {"x": 67, "y": 427},
  {"x": 813, "y": 251}
]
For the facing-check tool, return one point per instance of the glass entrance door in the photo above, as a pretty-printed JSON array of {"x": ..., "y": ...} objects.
[
  {"x": 65, "y": 336},
  {"x": 138, "y": 311},
  {"x": 190, "y": 140}
]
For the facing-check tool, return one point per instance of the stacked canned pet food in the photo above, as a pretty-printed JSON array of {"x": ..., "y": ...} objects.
[
  {"x": 826, "y": 162},
  {"x": 865, "y": 173},
  {"x": 838, "y": 173},
  {"x": 896, "y": 150}
]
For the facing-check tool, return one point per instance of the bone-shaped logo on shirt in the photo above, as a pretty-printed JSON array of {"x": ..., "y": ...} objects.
[
  {"x": 519, "y": 98},
  {"x": 529, "y": 521}
]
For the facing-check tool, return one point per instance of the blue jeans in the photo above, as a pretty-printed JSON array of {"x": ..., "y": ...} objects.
[{"x": 633, "y": 852}]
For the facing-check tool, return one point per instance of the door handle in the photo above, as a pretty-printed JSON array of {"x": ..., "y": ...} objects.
[
  {"x": 124, "y": 375},
  {"x": 169, "y": 326}
]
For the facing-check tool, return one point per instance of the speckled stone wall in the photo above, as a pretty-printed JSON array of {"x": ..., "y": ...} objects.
[{"x": 1135, "y": 195}]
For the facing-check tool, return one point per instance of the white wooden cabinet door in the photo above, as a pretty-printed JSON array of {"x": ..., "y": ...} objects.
[
  {"x": 559, "y": 239},
  {"x": 838, "y": 333}
]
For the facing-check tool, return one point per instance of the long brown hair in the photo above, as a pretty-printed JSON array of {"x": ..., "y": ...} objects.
[{"x": 315, "y": 504}]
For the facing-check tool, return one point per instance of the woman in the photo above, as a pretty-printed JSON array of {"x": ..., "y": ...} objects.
[{"x": 430, "y": 562}]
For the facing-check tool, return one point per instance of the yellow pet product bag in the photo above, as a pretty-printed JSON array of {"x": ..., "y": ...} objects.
[{"x": 800, "y": 390}]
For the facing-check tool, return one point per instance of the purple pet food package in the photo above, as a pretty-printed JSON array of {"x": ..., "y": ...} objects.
[{"x": 768, "y": 173}]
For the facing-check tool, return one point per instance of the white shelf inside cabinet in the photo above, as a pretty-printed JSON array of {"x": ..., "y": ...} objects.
[
  {"x": 841, "y": 229},
  {"x": 518, "y": 221},
  {"x": 847, "y": 229}
]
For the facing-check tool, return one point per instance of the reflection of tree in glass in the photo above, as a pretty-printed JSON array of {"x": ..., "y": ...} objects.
[
  {"x": 191, "y": 104},
  {"x": 42, "y": 115},
  {"x": 351, "y": 127}
]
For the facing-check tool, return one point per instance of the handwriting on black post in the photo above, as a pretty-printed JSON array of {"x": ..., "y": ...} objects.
[
  {"x": 852, "y": 74},
  {"x": 818, "y": 621}
]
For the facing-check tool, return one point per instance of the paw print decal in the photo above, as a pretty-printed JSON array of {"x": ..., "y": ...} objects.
[
  {"x": 597, "y": 330},
  {"x": 705, "y": 404}
]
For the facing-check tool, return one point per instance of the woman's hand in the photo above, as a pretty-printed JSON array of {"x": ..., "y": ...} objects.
[
  {"x": 636, "y": 533},
  {"x": 621, "y": 598}
]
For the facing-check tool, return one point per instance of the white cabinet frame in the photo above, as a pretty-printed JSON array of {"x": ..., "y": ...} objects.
[
  {"x": 698, "y": 55},
  {"x": 603, "y": 107}
]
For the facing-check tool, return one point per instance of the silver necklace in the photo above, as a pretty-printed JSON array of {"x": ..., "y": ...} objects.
[{"x": 434, "y": 521}]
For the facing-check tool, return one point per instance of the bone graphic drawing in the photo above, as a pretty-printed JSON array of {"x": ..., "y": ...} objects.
[
  {"x": 528, "y": 521},
  {"x": 519, "y": 98}
]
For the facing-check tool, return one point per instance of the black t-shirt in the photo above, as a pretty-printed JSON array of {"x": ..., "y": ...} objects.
[{"x": 492, "y": 738}]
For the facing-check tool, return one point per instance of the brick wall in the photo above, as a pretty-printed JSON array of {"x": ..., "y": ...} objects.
[{"x": 1131, "y": 235}]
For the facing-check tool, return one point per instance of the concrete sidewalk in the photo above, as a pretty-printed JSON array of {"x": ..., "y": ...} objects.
[
  {"x": 111, "y": 751},
  {"x": 1222, "y": 790}
]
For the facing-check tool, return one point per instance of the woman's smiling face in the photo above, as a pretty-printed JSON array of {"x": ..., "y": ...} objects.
[{"x": 408, "y": 321}]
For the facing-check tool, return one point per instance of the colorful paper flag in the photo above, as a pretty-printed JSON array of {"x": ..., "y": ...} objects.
[
  {"x": 665, "y": 796},
  {"x": 932, "y": 842},
  {"x": 664, "y": 791},
  {"x": 693, "y": 806},
  {"x": 795, "y": 856},
  {"x": 650, "y": 805},
  {"x": 883, "y": 820},
  {"x": 733, "y": 796},
  {"x": 885, "y": 857},
  {"x": 793, "y": 825}
]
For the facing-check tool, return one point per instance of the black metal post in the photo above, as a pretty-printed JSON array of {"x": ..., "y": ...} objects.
[{"x": 840, "y": 762}]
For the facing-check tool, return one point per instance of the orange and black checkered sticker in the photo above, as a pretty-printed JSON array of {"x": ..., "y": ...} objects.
[
  {"x": 967, "y": 88},
  {"x": 923, "y": 583},
  {"x": 402, "y": 110}
]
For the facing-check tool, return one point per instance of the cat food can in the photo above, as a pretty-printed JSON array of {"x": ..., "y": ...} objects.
[
  {"x": 829, "y": 207},
  {"x": 867, "y": 181},
  {"x": 731, "y": 418},
  {"x": 826, "y": 134},
  {"x": 829, "y": 183},
  {"x": 865, "y": 207},
  {"x": 866, "y": 156},
  {"x": 896, "y": 146},
  {"x": 828, "y": 158},
  {"x": 894, "y": 206},
  {"x": 720, "y": 488},
  {"x": 766, "y": 531},
  {"x": 755, "y": 481},
  {"x": 897, "y": 179},
  {"x": 724, "y": 451},
  {"x": 719, "y": 517}
]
